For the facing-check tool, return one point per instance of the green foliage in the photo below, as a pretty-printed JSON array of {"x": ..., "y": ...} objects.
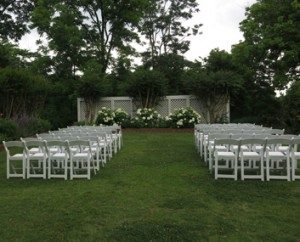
[
  {"x": 291, "y": 107},
  {"x": 120, "y": 116},
  {"x": 172, "y": 66},
  {"x": 147, "y": 87},
  {"x": 29, "y": 126},
  {"x": 213, "y": 83},
  {"x": 21, "y": 92},
  {"x": 271, "y": 31},
  {"x": 9, "y": 129},
  {"x": 164, "y": 29},
  {"x": 107, "y": 116},
  {"x": 89, "y": 28},
  {"x": 14, "y": 18},
  {"x": 183, "y": 118},
  {"x": 146, "y": 118}
]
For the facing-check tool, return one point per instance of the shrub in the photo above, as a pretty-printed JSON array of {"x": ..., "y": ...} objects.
[
  {"x": 29, "y": 126},
  {"x": 9, "y": 129},
  {"x": 183, "y": 118},
  {"x": 147, "y": 118},
  {"x": 121, "y": 117},
  {"x": 105, "y": 117}
]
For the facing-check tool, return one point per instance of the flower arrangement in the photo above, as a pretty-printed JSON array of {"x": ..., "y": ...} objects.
[
  {"x": 183, "y": 118},
  {"x": 147, "y": 117}
]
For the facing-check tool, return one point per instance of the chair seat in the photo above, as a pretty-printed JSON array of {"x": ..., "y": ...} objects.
[
  {"x": 81, "y": 155},
  {"x": 59, "y": 156},
  {"x": 16, "y": 157},
  {"x": 276, "y": 155},
  {"x": 251, "y": 154},
  {"x": 37, "y": 155},
  {"x": 225, "y": 154}
]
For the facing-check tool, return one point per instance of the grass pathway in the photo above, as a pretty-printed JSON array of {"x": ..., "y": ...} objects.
[{"x": 155, "y": 189}]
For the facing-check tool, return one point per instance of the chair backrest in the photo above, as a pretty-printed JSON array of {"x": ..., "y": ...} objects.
[
  {"x": 295, "y": 143},
  {"x": 62, "y": 145},
  {"x": 29, "y": 139},
  {"x": 227, "y": 142},
  {"x": 278, "y": 140},
  {"x": 80, "y": 144},
  {"x": 12, "y": 144},
  {"x": 274, "y": 142},
  {"x": 277, "y": 131},
  {"x": 218, "y": 136},
  {"x": 34, "y": 143},
  {"x": 254, "y": 143}
]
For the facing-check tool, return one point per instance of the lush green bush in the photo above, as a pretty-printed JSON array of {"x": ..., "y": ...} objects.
[
  {"x": 107, "y": 116},
  {"x": 183, "y": 118},
  {"x": 146, "y": 118},
  {"x": 9, "y": 129},
  {"x": 121, "y": 117},
  {"x": 29, "y": 126}
]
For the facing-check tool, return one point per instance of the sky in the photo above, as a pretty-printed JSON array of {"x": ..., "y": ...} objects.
[{"x": 220, "y": 19}]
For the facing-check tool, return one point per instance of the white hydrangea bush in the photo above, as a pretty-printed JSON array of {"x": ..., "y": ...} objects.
[{"x": 183, "y": 118}]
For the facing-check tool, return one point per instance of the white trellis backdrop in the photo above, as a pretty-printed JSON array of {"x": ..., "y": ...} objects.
[{"x": 164, "y": 108}]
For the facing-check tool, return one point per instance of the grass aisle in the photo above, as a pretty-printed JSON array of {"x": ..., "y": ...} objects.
[{"x": 155, "y": 188}]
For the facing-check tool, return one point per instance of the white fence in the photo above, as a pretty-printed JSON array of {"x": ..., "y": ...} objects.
[{"x": 165, "y": 107}]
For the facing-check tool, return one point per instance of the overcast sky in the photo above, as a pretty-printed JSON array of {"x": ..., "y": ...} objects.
[{"x": 220, "y": 19}]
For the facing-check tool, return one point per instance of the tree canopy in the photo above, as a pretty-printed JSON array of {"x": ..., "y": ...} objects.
[
  {"x": 14, "y": 18},
  {"x": 272, "y": 34}
]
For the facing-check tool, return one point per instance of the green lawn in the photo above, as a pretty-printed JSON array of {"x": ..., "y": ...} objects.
[{"x": 155, "y": 189}]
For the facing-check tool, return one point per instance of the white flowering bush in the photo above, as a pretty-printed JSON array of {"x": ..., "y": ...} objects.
[
  {"x": 105, "y": 116},
  {"x": 121, "y": 116},
  {"x": 147, "y": 117},
  {"x": 183, "y": 118}
]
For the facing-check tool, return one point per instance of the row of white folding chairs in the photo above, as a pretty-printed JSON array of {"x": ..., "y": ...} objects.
[
  {"x": 208, "y": 142},
  {"x": 256, "y": 158},
  {"x": 52, "y": 159},
  {"x": 202, "y": 136},
  {"x": 107, "y": 137},
  {"x": 114, "y": 133},
  {"x": 100, "y": 143}
]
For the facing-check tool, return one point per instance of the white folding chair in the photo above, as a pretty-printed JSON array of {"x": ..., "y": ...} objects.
[
  {"x": 277, "y": 162},
  {"x": 33, "y": 149},
  {"x": 227, "y": 156},
  {"x": 212, "y": 148},
  {"x": 15, "y": 159},
  {"x": 254, "y": 156},
  {"x": 36, "y": 163},
  {"x": 96, "y": 148},
  {"x": 58, "y": 159},
  {"x": 295, "y": 156},
  {"x": 81, "y": 161}
]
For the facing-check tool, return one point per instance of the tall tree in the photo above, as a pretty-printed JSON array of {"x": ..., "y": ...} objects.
[
  {"x": 85, "y": 29},
  {"x": 164, "y": 29},
  {"x": 14, "y": 18},
  {"x": 272, "y": 34},
  {"x": 213, "y": 82},
  {"x": 172, "y": 66},
  {"x": 147, "y": 87}
]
